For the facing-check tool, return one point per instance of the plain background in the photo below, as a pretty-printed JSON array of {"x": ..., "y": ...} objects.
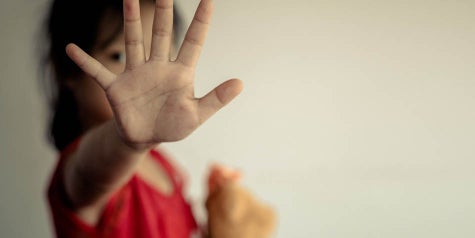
[{"x": 357, "y": 118}]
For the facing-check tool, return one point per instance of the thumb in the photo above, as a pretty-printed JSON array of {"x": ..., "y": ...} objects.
[
  {"x": 218, "y": 98},
  {"x": 90, "y": 65}
]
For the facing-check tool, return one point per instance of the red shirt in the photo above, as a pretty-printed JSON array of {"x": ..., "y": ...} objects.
[{"x": 137, "y": 210}]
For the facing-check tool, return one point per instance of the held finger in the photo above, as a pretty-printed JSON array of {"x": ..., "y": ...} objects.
[
  {"x": 90, "y": 66},
  {"x": 218, "y": 98},
  {"x": 196, "y": 34},
  {"x": 134, "y": 47},
  {"x": 162, "y": 30}
]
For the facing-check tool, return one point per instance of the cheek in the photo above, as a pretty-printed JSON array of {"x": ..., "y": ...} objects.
[
  {"x": 94, "y": 102},
  {"x": 115, "y": 67},
  {"x": 111, "y": 63},
  {"x": 99, "y": 105}
]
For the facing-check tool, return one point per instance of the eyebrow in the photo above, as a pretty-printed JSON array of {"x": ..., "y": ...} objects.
[{"x": 110, "y": 39}]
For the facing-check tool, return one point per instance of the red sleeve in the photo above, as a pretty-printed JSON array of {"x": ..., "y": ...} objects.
[{"x": 66, "y": 222}]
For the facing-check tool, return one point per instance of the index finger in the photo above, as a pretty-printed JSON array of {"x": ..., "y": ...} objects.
[
  {"x": 134, "y": 47},
  {"x": 196, "y": 34}
]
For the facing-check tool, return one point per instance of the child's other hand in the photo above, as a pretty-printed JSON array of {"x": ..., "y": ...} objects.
[
  {"x": 233, "y": 212},
  {"x": 153, "y": 99}
]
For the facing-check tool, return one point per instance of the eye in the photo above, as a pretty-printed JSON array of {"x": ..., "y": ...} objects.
[{"x": 118, "y": 56}]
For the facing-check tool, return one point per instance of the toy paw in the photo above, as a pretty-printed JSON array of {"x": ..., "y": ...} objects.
[
  {"x": 233, "y": 212},
  {"x": 221, "y": 175}
]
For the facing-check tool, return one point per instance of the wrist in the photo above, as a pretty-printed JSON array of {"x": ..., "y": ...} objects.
[{"x": 128, "y": 144}]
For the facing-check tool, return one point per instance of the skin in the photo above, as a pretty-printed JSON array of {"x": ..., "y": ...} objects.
[{"x": 130, "y": 109}]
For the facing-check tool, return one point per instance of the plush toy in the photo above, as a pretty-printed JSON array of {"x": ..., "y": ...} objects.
[{"x": 233, "y": 212}]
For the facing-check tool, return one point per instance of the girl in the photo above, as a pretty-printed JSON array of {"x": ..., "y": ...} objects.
[{"x": 126, "y": 97}]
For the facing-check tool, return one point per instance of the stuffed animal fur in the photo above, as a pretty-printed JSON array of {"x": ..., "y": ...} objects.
[{"x": 233, "y": 212}]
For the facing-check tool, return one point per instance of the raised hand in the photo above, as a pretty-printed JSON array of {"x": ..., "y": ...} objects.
[{"x": 153, "y": 100}]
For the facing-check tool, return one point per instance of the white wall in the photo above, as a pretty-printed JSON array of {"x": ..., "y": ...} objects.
[
  {"x": 356, "y": 118},
  {"x": 25, "y": 158}
]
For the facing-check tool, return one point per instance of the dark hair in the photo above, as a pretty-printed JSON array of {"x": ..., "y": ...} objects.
[{"x": 79, "y": 22}]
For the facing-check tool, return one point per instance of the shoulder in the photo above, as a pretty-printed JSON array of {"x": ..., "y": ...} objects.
[
  {"x": 56, "y": 184},
  {"x": 173, "y": 168},
  {"x": 66, "y": 222}
]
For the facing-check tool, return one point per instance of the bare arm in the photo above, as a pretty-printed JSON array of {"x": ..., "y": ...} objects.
[
  {"x": 153, "y": 101},
  {"x": 101, "y": 164}
]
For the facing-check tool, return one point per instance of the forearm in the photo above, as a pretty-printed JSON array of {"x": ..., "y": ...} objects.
[{"x": 101, "y": 164}]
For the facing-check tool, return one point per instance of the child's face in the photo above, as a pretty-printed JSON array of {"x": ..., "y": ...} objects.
[{"x": 94, "y": 108}]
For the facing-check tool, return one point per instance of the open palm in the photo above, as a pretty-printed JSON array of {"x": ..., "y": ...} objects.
[{"x": 153, "y": 99}]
